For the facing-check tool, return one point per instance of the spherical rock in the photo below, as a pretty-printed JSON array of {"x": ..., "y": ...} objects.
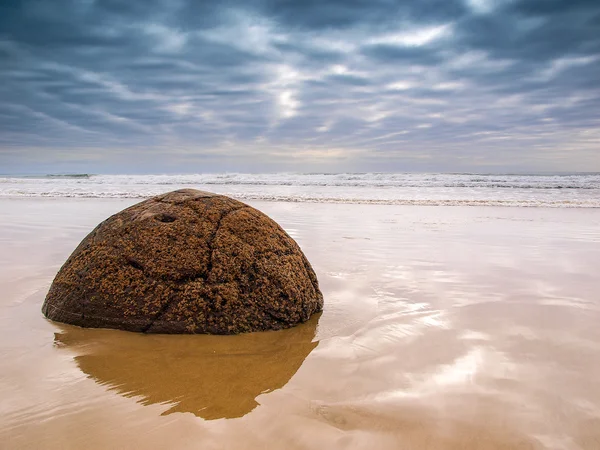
[{"x": 186, "y": 262}]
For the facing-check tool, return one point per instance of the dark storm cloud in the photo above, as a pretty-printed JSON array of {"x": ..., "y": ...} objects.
[
  {"x": 393, "y": 54},
  {"x": 372, "y": 85},
  {"x": 528, "y": 30},
  {"x": 316, "y": 14}
]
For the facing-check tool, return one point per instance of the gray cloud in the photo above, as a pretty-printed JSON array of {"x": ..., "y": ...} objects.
[{"x": 282, "y": 85}]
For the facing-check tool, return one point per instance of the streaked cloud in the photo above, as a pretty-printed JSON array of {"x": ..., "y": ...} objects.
[{"x": 338, "y": 85}]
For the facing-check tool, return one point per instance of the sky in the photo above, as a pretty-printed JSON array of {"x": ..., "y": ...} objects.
[{"x": 191, "y": 86}]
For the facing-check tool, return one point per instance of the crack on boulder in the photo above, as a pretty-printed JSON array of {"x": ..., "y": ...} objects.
[
  {"x": 160, "y": 312},
  {"x": 276, "y": 318},
  {"x": 165, "y": 218},
  {"x": 209, "y": 267},
  {"x": 135, "y": 264},
  {"x": 211, "y": 240}
]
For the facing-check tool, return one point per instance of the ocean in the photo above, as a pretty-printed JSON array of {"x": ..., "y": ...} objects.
[{"x": 428, "y": 189}]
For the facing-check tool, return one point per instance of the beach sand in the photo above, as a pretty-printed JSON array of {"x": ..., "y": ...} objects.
[{"x": 443, "y": 328}]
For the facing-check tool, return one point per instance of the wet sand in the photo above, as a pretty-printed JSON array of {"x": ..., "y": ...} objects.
[{"x": 443, "y": 328}]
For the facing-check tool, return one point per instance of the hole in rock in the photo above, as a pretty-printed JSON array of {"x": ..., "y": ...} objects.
[
  {"x": 133, "y": 263},
  {"x": 166, "y": 218}
]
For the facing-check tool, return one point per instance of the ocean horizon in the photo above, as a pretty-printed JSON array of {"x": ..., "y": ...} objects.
[{"x": 426, "y": 189}]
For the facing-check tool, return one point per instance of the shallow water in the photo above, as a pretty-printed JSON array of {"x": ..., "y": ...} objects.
[{"x": 443, "y": 328}]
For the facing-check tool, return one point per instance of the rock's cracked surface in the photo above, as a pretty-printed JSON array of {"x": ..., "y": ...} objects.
[{"x": 186, "y": 262}]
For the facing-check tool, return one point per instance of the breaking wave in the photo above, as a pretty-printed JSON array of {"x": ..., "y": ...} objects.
[{"x": 366, "y": 188}]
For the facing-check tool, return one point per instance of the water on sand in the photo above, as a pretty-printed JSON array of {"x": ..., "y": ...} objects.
[{"x": 443, "y": 328}]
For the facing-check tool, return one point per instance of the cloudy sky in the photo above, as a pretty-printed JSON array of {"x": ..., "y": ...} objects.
[{"x": 126, "y": 86}]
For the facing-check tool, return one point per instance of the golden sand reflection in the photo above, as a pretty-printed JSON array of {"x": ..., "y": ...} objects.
[
  {"x": 210, "y": 376},
  {"x": 480, "y": 335}
]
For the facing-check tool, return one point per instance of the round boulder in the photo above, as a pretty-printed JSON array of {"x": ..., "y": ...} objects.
[{"x": 186, "y": 262}]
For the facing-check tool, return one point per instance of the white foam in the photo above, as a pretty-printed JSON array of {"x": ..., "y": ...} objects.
[{"x": 564, "y": 191}]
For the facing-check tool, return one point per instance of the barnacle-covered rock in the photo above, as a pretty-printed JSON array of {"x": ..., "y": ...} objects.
[{"x": 186, "y": 262}]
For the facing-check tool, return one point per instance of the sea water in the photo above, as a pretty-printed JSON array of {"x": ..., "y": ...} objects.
[{"x": 429, "y": 189}]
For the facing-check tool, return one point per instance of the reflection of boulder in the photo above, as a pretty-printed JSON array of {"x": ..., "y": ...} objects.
[
  {"x": 186, "y": 262},
  {"x": 210, "y": 376}
]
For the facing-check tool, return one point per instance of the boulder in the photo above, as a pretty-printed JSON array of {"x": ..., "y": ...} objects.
[{"x": 186, "y": 262}]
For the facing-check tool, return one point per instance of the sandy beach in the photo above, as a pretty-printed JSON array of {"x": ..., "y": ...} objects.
[{"x": 444, "y": 327}]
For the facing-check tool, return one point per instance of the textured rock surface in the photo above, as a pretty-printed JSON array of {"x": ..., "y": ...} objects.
[{"x": 186, "y": 262}]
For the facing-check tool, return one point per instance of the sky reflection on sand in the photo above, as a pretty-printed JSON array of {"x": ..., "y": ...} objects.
[{"x": 477, "y": 333}]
